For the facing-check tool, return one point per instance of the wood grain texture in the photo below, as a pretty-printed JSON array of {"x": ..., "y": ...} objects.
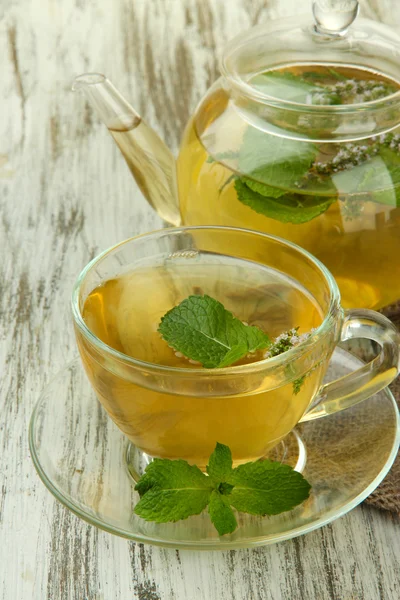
[{"x": 65, "y": 193}]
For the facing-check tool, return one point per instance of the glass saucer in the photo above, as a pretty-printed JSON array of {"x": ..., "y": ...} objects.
[{"x": 81, "y": 457}]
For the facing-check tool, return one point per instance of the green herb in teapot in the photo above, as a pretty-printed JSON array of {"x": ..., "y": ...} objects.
[
  {"x": 338, "y": 199},
  {"x": 325, "y": 85}
]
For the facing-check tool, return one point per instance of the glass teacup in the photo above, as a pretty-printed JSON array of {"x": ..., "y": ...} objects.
[{"x": 169, "y": 407}]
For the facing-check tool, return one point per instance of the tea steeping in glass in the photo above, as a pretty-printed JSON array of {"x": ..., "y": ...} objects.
[
  {"x": 300, "y": 137},
  {"x": 169, "y": 406},
  {"x": 125, "y": 313},
  {"x": 337, "y": 199}
]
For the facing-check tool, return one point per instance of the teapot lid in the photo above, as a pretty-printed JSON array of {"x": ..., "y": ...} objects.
[
  {"x": 347, "y": 127},
  {"x": 336, "y": 38}
]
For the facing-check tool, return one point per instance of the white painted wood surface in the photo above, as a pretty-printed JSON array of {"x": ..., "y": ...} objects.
[{"x": 65, "y": 194}]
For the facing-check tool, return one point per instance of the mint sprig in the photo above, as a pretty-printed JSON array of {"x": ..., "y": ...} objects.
[
  {"x": 277, "y": 172},
  {"x": 275, "y": 161},
  {"x": 287, "y": 208},
  {"x": 171, "y": 490},
  {"x": 273, "y": 168},
  {"x": 203, "y": 330}
]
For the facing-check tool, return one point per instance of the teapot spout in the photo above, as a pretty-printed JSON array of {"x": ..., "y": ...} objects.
[{"x": 150, "y": 161}]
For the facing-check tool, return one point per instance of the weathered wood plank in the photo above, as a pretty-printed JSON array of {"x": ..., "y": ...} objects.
[{"x": 65, "y": 194}]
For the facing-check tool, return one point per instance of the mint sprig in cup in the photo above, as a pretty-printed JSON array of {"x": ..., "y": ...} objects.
[{"x": 172, "y": 407}]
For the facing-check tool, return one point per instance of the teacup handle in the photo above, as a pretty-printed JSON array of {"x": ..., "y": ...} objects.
[{"x": 368, "y": 379}]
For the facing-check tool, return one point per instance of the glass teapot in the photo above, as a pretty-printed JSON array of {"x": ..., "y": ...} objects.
[{"x": 299, "y": 137}]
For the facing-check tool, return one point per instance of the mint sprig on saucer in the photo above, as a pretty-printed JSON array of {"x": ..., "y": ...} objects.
[{"x": 171, "y": 490}]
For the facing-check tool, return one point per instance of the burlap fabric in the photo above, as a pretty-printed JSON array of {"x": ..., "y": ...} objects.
[{"x": 387, "y": 495}]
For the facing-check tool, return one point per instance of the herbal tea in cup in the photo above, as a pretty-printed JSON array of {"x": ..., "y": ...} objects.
[{"x": 195, "y": 335}]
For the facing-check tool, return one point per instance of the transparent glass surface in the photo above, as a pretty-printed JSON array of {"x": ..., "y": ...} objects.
[
  {"x": 300, "y": 138},
  {"x": 170, "y": 408},
  {"x": 80, "y": 456},
  {"x": 278, "y": 145}
]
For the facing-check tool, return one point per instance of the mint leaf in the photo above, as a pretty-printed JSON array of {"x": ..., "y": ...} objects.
[
  {"x": 233, "y": 355},
  {"x": 271, "y": 166},
  {"x": 171, "y": 490},
  {"x": 220, "y": 463},
  {"x": 308, "y": 88},
  {"x": 285, "y": 86},
  {"x": 229, "y": 155},
  {"x": 166, "y": 473},
  {"x": 170, "y": 505},
  {"x": 390, "y": 179},
  {"x": 289, "y": 208},
  {"x": 144, "y": 484},
  {"x": 274, "y": 161},
  {"x": 203, "y": 330},
  {"x": 221, "y": 514},
  {"x": 267, "y": 488},
  {"x": 262, "y": 188},
  {"x": 256, "y": 338},
  {"x": 377, "y": 179},
  {"x": 371, "y": 176}
]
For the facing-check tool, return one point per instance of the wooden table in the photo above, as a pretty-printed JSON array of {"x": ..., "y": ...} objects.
[{"x": 66, "y": 194}]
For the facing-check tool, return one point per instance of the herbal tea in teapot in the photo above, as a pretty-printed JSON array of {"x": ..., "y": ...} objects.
[
  {"x": 300, "y": 138},
  {"x": 337, "y": 200}
]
